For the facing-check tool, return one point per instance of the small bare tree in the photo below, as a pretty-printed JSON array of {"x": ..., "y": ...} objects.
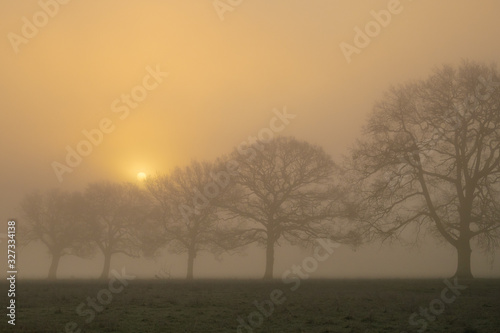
[
  {"x": 57, "y": 219},
  {"x": 431, "y": 159},
  {"x": 187, "y": 218},
  {"x": 118, "y": 218},
  {"x": 283, "y": 192}
]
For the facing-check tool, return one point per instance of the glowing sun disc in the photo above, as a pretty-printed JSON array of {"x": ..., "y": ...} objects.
[{"x": 141, "y": 176}]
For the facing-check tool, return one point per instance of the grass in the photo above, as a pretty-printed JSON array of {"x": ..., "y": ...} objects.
[{"x": 322, "y": 306}]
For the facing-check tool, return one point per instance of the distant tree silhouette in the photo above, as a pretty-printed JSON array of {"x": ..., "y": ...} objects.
[
  {"x": 283, "y": 192},
  {"x": 187, "y": 219},
  {"x": 57, "y": 219},
  {"x": 431, "y": 159},
  {"x": 118, "y": 217}
]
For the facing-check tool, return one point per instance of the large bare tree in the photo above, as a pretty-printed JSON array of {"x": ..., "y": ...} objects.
[
  {"x": 430, "y": 161},
  {"x": 57, "y": 219},
  {"x": 187, "y": 218},
  {"x": 118, "y": 217},
  {"x": 282, "y": 192}
]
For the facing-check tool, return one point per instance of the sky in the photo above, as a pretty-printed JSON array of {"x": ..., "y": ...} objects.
[{"x": 205, "y": 78}]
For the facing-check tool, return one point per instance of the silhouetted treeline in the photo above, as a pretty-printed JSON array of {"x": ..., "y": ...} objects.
[{"x": 429, "y": 161}]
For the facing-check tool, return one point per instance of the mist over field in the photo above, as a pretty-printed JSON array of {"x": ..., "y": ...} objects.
[{"x": 285, "y": 141}]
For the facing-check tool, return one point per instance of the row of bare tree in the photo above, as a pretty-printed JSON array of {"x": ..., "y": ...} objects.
[
  {"x": 429, "y": 161},
  {"x": 276, "y": 191}
]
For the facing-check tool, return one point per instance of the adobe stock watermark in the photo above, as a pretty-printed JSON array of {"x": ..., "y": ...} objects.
[
  {"x": 122, "y": 106},
  {"x": 363, "y": 37},
  {"x": 437, "y": 306},
  {"x": 292, "y": 276},
  {"x": 247, "y": 149},
  {"x": 224, "y": 6},
  {"x": 31, "y": 27},
  {"x": 103, "y": 297}
]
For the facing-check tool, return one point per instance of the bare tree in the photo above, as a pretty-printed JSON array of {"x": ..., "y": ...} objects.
[
  {"x": 57, "y": 219},
  {"x": 187, "y": 218},
  {"x": 431, "y": 159},
  {"x": 283, "y": 192},
  {"x": 118, "y": 219}
]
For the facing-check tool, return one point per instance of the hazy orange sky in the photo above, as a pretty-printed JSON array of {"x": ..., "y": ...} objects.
[{"x": 224, "y": 79}]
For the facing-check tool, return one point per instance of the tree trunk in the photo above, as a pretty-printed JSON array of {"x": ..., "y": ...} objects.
[
  {"x": 191, "y": 256},
  {"x": 268, "y": 274},
  {"x": 464, "y": 252},
  {"x": 53, "y": 266},
  {"x": 106, "y": 267}
]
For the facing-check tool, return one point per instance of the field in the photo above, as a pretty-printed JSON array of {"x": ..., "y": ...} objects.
[{"x": 321, "y": 306}]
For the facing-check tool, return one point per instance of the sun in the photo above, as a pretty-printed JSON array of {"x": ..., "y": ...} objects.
[{"x": 141, "y": 176}]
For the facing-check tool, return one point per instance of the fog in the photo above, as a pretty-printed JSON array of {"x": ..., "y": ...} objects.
[{"x": 210, "y": 85}]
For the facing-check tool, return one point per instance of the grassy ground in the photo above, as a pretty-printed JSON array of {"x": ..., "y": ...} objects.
[{"x": 322, "y": 306}]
